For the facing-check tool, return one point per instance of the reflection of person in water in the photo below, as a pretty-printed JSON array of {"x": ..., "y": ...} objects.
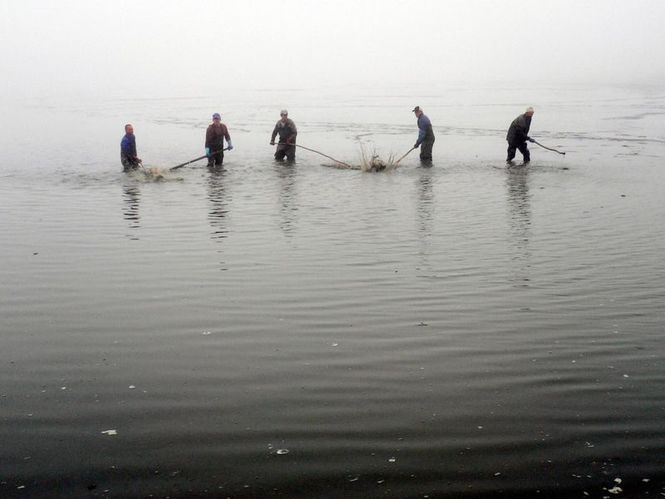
[
  {"x": 425, "y": 202},
  {"x": 131, "y": 196},
  {"x": 218, "y": 211},
  {"x": 287, "y": 194},
  {"x": 519, "y": 220},
  {"x": 425, "y": 214},
  {"x": 217, "y": 197}
]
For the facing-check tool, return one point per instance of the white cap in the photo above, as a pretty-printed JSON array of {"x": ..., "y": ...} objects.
[{"x": 529, "y": 109}]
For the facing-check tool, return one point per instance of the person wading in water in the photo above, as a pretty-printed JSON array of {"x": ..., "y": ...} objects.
[
  {"x": 425, "y": 136},
  {"x": 518, "y": 134},
  {"x": 130, "y": 161},
  {"x": 215, "y": 135},
  {"x": 287, "y": 131}
]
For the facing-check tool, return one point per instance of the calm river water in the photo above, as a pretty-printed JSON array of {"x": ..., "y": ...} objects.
[{"x": 301, "y": 331}]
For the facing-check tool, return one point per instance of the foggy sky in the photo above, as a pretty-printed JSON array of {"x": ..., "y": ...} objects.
[{"x": 176, "y": 48}]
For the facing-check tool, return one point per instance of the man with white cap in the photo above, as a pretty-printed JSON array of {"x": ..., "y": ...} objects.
[
  {"x": 425, "y": 135},
  {"x": 518, "y": 134},
  {"x": 215, "y": 135},
  {"x": 287, "y": 131}
]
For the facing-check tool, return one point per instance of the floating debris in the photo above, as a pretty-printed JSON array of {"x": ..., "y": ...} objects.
[
  {"x": 281, "y": 452},
  {"x": 110, "y": 432}
]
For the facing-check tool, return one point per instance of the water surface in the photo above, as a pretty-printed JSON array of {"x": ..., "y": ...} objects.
[{"x": 273, "y": 330}]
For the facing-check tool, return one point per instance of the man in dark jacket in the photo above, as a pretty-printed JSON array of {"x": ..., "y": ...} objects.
[
  {"x": 425, "y": 136},
  {"x": 287, "y": 131},
  {"x": 518, "y": 134},
  {"x": 130, "y": 161},
  {"x": 215, "y": 135}
]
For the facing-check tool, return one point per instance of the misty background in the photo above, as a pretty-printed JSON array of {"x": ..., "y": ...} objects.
[{"x": 171, "y": 49}]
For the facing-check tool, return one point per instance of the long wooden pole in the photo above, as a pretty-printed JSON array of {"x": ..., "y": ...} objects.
[
  {"x": 405, "y": 155},
  {"x": 548, "y": 148},
  {"x": 195, "y": 160},
  {"x": 318, "y": 152}
]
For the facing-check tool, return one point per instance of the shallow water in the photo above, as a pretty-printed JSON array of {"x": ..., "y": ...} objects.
[{"x": 464, "y": 330}]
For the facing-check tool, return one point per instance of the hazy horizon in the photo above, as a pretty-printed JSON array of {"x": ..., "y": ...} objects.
[{"x": 176, "y": 48}]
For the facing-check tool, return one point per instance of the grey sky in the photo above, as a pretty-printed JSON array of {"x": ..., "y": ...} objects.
[{"x": 177, "y": 47}]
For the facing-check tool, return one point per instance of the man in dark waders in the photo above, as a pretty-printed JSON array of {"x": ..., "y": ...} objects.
[
  {"x": 130, "y": 161},
  {"x": 518, "y": 134},
  {"x": 425, "y": 136},
  {"x": 287, "y": 131},
  {"x": 215, "y": 135}
]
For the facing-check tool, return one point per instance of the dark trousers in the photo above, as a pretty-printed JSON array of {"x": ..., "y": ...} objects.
[
  {"x": 128, "y": 164},
  {"x": 512, "y": 148},
  {"x": 216, "y": 159},
  {"x": 426, "y": 149},
  {"x": 285, "y": 151}
]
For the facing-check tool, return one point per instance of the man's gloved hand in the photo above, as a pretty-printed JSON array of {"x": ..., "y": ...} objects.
[
  {"x": 415, "y": 146},
  {"x": 230, "y": 147},
  {"x": 530, "y": 139},
  {"x": 272, "y": 142},
  {"x": 208, "y": 151}
]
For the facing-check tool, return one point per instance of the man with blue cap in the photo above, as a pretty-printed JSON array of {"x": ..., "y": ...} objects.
[
  {"x": 425, "y": 135},
  {"x": 215, "y": 135}
]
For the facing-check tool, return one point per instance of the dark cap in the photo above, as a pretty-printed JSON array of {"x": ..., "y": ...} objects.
[
  {"x": 415, "y": 109},
  {"x": 216, "y": 116}
]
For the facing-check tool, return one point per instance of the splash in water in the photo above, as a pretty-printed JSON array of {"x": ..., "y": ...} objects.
[{"x": 154, "y": 174}]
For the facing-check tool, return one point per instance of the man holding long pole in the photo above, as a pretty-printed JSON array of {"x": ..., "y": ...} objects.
[
  {"x": 287, "y": 131},
  {"x": 215, "y": 135},
  {"x": 518, "y": 134},
  {"x": 425, "y": 136}
]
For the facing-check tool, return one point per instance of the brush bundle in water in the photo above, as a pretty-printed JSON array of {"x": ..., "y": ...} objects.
[{"x": 374, "y": 163}]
